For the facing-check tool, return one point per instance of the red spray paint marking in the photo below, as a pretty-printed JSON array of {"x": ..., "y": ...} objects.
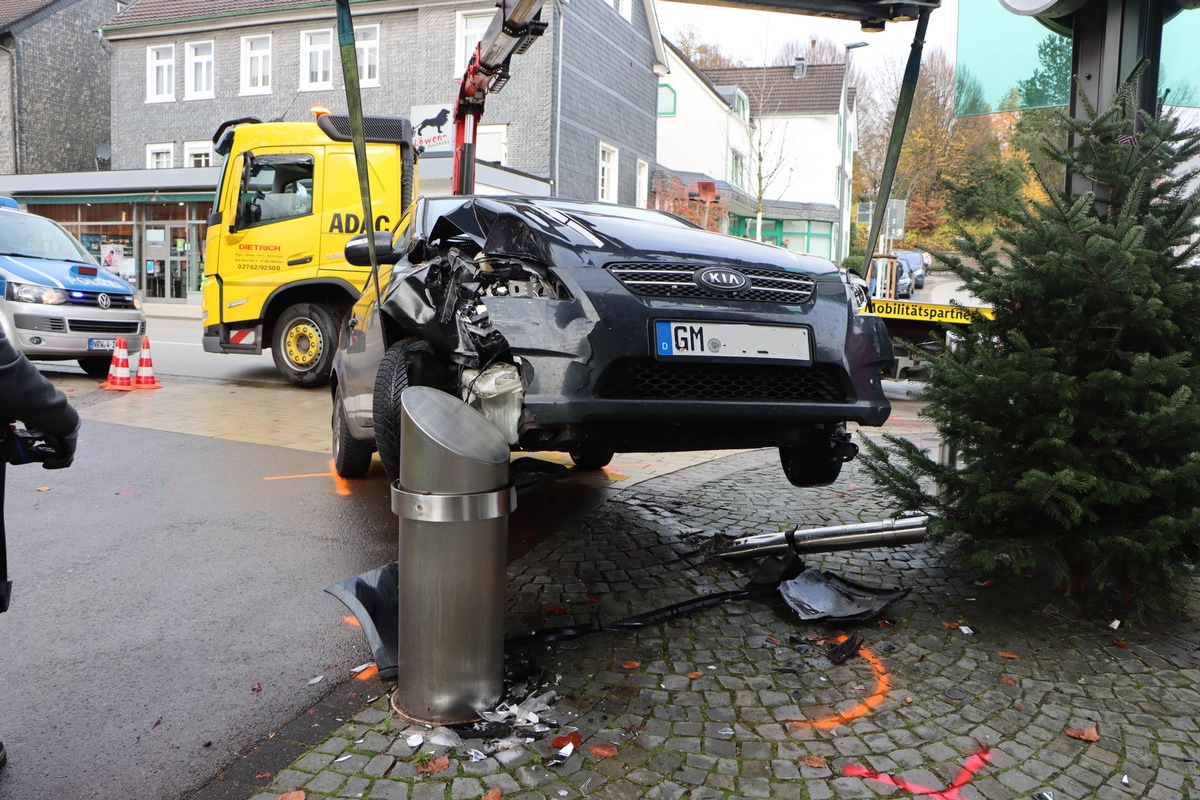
[{"x": 972, "y": 765}]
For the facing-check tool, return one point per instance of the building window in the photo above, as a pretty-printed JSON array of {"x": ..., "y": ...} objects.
[
  {"x": 468, "y": 31},
  {"x": 643, "y": 183},
  {"x": 741, "y": 106},
  {"x": 316, "y": 60},
  {"x": 666, "y": 100},
  {"x": 160, "y": 156},
  {"x": 197, "y": 154},
  {"x": 625, "y": 8},
  {"x": 608, "y": 173},
  {"x": 366, "y": 45},
  {"x": 491, "y": 143},
  {"x": 198, "y": 83},
  {"x": 737, "y": 169},
  {"x": 256, "y": 64},
  {"x": 160, "y": 74}
]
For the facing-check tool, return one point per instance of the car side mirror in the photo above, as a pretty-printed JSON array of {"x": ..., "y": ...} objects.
[{"x": 358, "y": 253}]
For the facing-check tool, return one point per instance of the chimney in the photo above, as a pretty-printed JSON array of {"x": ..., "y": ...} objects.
[{"x": 799, "y": 69}]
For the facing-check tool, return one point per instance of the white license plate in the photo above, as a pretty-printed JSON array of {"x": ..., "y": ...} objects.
[
  {"x": 731, "y": 340},
  {"x": 102, "y": 344}
]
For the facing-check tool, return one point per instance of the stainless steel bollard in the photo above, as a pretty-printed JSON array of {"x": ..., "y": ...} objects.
[{"x": 453, "y": 499}]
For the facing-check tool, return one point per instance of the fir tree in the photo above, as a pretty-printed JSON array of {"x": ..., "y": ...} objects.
[{"x": 1075, "y": 411}]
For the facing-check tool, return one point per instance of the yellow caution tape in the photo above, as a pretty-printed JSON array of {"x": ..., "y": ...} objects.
[{"x": 927, "y": 312}]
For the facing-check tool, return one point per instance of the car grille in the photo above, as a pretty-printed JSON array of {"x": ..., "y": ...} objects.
[
  {"x": 675, "y": 280},
  {"x": 647, "y": 379},
  {"x": 91, "y": 299},
  {"x": 32, "y": 322},
  {"x": 104, "y": 326}
]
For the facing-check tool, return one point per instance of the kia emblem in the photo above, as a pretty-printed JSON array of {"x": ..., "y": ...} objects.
[
  {"x": 103, "y": 300},
  {"x": 721, "y": 279}
]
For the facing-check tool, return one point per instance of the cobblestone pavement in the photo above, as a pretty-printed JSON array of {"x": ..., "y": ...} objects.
[{"x": 967, "y": 694}]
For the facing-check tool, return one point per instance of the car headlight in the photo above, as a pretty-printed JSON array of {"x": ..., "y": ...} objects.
[
  {"x": 137, "y": 300},
  {"x": 32, "y": 293}
]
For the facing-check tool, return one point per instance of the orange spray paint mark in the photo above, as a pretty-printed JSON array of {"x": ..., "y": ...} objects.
[
  {"x": 863, "y": 707},
  {"x": 368, "y": 673},
  {"x": 969, "y": 768},
  {"x": 340, "y": 484},
  {"x": 353, "y": 621}
]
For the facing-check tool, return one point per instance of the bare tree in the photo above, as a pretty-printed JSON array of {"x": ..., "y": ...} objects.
[{"x": 703, "y": 54}]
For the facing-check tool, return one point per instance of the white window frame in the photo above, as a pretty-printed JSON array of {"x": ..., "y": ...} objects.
[
  {"x": 625, "y": 9},
  {"x": 325, "y": 55},
  {"x": 206, "y": 65},
  {"x": 155, "y": 151},
  {"x": 608, "y": 173},
  {"x": 491, "y": 141},
  {"x": 160, "y": 73},
  {"x": 252, "y": 58},
  {"x": 202, "y": 148},
  {"x": 643, "y": 183},
  {"x": 469, "y": 27},
  {"x": 737, "y": 171},
  {"x": 368, "y": 55}
]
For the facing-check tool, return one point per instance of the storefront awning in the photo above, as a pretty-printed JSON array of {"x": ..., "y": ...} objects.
[{"x": 143, "y": 197}]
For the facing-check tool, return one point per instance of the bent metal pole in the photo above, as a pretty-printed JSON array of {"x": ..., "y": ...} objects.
[{"x": 885, "y": 533}]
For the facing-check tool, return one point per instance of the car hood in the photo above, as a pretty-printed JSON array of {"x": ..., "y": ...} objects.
[
  {"x": 562, "y": 232},
  {"x": 61, "y": 275}
]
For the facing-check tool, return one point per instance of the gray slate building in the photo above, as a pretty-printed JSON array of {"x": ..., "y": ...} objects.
[
  {"x": 580, "y": 109},
  {"x": 54, "y": 86}
]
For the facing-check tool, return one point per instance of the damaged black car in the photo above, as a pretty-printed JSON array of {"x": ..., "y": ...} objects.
[{"x": 592, "y": 328}]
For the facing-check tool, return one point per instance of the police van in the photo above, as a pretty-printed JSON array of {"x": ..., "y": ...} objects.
[{"x": 56, "y": 302}]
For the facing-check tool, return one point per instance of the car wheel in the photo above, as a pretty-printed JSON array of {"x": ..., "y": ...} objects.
[
  {"x": 587, "y": 458},
  {"x": 305, "y": 338},
  {"x": 818, "y": 459},
  {"x": 351, "y": 458},
  {"x": 96, "y": 366},
  {"x": 393, "y": 377}
]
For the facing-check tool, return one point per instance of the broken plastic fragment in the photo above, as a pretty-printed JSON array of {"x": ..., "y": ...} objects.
[
  {"x": 562, "y": 755},
  {"x": 965, "y": 629},
  {"x": 1124, "y": 780},
  {"x": 475, "y": 755},
  {"x": 340, "y": 759},
  {"x": 1116, "y": 623},
  {"x": 726, "y": 731},
  {"x": 415, "y": 740},
  {"x": 362, "y": 667},
  {"x": 1046, "y": 795},
  {"x": 822, "y": 595},
  {"x": 316, "y": 680}
]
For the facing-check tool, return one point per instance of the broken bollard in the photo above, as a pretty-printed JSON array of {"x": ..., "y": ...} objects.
[{"x": 453, "y": 498}]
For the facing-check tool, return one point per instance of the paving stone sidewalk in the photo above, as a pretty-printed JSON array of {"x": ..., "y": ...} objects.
[{"x": 740, "y": 701}]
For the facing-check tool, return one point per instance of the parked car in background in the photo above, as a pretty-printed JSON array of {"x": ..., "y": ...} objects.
[
  {"x": 904, "y": 276},
  {"x": 593, "y": 328},
  {"x": 56, "y": 301},
  {"x": 916, "y": 265}
]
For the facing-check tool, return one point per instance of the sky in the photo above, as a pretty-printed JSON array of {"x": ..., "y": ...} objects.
[{"x": 754, "y": 36}]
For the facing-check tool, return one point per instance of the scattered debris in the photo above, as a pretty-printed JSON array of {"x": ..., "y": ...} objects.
[
  {"x": 955, "y": 693},
  {"x": 562, "y": 755},
  {"x": 1116, "y": 623},
  {"x": 415, "y": 740},
  {"x": 603, "y": 751},
  {"x": 1046, "y": 795},
  {"x": 845, "y": 650},
  {"x": 340, "y": 759},
  {"x": 963, "y": 629},
  {"x": 726, "y": 731},
  {"x": 316, "y": 680},
  {"x": 1009, "y": 655},
  {"x": 694, "y": 675},
  {"x": 256, "y": 687},
  {"x": 296, "y": 795},
  {"x": 816, "y": 596},
  {"x": 1124, "y": 780},
  {"x": 631, "y": 664},
  {"x": 1121, "y": 644},
  {"x": 816, "y": 762},
  {"x": 362, "y": 667},
  {"x": 1089, "y": 734},
  {"x": 434, "y": 765},
  {"x": 475, "y": 755},
  {"x": 951, "y": 625},
  {"x": 574, "y": 738},
  {"x": 1007, "y": 681}
]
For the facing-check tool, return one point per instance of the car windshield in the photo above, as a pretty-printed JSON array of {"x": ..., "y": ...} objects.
[{"x": 31, "y": 236}]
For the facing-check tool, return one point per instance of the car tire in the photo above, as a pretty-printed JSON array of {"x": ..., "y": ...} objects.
[
  {"x": 304, "y": 341},
  {"x": 351, "y": 458},
  {"x": 589, "y": 459},
  {"x": 817, "y": 460},
  {"x": 393, "y": 377},
  {"x": 95, "y": 366}
]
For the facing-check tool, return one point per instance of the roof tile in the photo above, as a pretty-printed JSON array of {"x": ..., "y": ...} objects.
[{"x": 775, "y": 91}]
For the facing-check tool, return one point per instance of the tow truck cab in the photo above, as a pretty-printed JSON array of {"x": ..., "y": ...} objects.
[{"x": 287, "y": 202}]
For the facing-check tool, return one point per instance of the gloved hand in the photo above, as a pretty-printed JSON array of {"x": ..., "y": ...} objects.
[{"x": 64, "y": 450}]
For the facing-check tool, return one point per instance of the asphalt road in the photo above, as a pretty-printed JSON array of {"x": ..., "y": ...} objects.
[{"x": 168, "y": 607}]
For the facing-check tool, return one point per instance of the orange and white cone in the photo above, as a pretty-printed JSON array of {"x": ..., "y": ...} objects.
[
  {"x": 118, "y": 369},
  {"x": 145, "y": 372}
]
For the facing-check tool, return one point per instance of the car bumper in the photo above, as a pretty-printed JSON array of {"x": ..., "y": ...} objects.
[
  {"x": 592, "y": 373},
  {"x": 66, "y": 332}
]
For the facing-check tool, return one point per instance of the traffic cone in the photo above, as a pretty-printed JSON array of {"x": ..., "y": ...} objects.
[
  {"x": 145, "y": 373},
  {"x": 118, "y": 369}
]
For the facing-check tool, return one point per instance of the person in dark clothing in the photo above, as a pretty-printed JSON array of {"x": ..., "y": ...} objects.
[{"x": 26, "y": 396}]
